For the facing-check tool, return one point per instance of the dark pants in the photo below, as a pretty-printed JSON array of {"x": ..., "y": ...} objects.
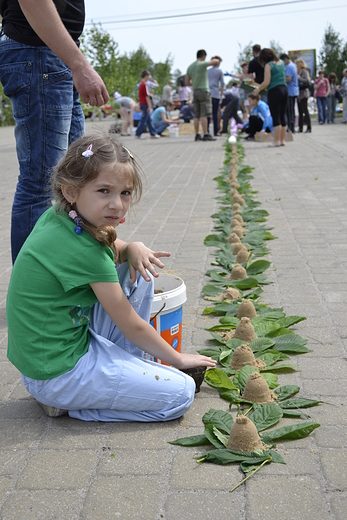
[
  {"x": 215, "y": 110},
  {"x": 255, "y": 124},
  {"x": 277, "y": 100},
  {"x": 291, "y": 113},
  {"x": 304, "y": 116},
  {"x": 230, "y": 111}
]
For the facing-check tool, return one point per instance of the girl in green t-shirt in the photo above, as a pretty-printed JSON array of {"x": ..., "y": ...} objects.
[{"x": 78, "y": 328}]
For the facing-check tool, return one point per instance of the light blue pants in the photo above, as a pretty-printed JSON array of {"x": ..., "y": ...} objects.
[{"x": 113, "y": 381}]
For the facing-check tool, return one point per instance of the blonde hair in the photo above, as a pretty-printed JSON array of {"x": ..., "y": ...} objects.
[
  {"x": 76, "y": 171},
  {"x": 301, "y": 63}
]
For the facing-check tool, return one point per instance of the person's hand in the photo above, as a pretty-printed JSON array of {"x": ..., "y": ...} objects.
[
  {"x": 90, "y": 86},
  {"x": 148, "y": 110},
  {"x": 194, "y": 360},
  {"x": 140, "y": 258}
]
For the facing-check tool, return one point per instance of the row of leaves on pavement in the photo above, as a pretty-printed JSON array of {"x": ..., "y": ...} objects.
[{"x": 275, "y": 339}]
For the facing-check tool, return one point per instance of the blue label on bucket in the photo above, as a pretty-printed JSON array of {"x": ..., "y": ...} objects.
[
  {"x": 171, "y": 319},
  {"x": 175, "y": 343}
]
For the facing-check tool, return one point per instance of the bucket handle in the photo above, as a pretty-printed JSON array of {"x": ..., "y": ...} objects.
[{"x": 163, "y": 307}]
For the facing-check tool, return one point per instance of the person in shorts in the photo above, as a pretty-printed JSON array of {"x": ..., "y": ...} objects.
[{"x": 198, "y": 78}]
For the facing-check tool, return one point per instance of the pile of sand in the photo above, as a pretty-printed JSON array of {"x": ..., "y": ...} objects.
[
  {"x": 238, "y": 273},
  {"x": 244, "y": 436},
  {"x": 233, "y": 239},
  {"x": 246, "y": 309},
  {"x": 243, "y": 356},
  {"x": 257, "y": 390},
  {"x": 242, "y": 256},
  {"x": 245, "y": 331}
]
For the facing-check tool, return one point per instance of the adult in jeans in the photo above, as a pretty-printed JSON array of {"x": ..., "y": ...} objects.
[
  {"x": 322, "y": 91},
  {"x": 43, "y": 72},
  {"x": 146, "y": 105},
  {"x": 277, "y": 92},
  {"x": 161, "y": 119},
  {"x": 343, "y": 90},
  {"x": 216, "y": 82},
  {"x": 293, "y": 90},
  {"x": 197, "y": 76},
  {"x": 332, "y": 97},
  {"x": 304, "y": 93}
]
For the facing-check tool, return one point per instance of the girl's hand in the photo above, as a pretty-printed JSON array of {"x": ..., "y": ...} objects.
[
  {"x": 194, "y": 360},
  {"x": 140, "y": 258}
]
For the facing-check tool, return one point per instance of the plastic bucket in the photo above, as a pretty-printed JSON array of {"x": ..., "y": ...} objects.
[
  {"x": 173, "y": 131},
  {"x": 166, "y": 312}
]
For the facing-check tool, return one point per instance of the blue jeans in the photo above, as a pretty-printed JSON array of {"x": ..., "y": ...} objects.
[
  {"x": 331, "y": 108},
  {"x": 48, "y": 117},
  {"x": 145, "y": 120},
  {"x": 159, "y": 126},
  {"x": 215, "y": 110},
  {"x": 322, "y": 105}
]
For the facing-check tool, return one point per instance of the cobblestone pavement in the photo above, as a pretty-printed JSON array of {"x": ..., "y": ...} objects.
[{"x": 65, "y": 469}]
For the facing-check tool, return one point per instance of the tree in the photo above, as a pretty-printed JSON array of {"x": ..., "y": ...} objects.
[
  {"x": 332, "y": 53},
  {"x": 245, "y": 55},
  {"x": 277, "y": 48},
  {"x": 162, "y": 72},
  {"x": 101, "y": 51}
]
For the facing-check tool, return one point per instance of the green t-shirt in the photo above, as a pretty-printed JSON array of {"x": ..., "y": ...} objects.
[
  {"x": 49, "y": 297},
  {"x": 278, "y": 75},
  {"x": 198, "y": 74}
]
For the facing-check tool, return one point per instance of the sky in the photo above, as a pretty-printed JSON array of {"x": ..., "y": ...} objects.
[{"x": 294, "y": 24}]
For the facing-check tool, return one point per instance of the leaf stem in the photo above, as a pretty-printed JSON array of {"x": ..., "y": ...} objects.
[
  {"x": 248, "y": 410},
  {"x": 248, "y": 476}
]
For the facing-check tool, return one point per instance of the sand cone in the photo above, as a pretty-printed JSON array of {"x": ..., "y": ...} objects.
[
  {"x": 246, "y": 310},
  {"x": 257, "y": 390},
  {"x": 245, "y": 331},
  {"x": 244, "y": 436}
]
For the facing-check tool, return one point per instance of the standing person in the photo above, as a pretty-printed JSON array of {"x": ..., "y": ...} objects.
[
  {"x": 216, "y": 83},
  {"x": 277, "y": 92},
  {"x": 167, "y": 92},
  {"x": 304, "y": 93},
  {"x": 293, "y": 90},
  {"x": 161, "y": 118},
  {"x": 126, "y": 111},
  {"x": 256, "y": 70},
  {"x": 197, "y": 76},
  {"x": 184, "y": 93},
  {"x": 343, "y": 90},
  {"x": 43, "y": 72},
  {"x": 146, "y": 105},
  {"x": 332, "y": 97},
  {"x": 322, "y": 90},
  {"x": 78, "y": 327}
]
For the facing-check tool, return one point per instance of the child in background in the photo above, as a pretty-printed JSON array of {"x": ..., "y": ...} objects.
[{"x": 78, "y": 326}]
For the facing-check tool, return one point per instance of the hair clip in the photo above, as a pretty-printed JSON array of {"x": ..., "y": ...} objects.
[
  {"x": 130, "y": 154},
  {"x": 122, "y": 221},
  {"x": 78, "y": 229},
  {"x": 88, "y": 152}
]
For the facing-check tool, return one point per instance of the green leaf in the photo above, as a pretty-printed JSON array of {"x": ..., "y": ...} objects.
[
  {"x": 229, "y": 321},
  {"x": 226, "y": 357},
  {"x": 244, "y": 284},
  {"x": 225, "y": 456},
  {"x": 288, "y": 321},
  {"x": 276, "y": 457},
  {"x": 279, "y": 332},
  {"x": 210, "y": 435},
  {"x": 218, "y": 277},
  {"x": 292, "y": 343},
  {"x": 220, "y": 419},
  {"x": 261, "y": 344},
  {"x": 216, "y": 378},
  {"x": 212, "y": 290},
  {"x": 221, "y": 436},
  {"x": 231, "y": 396},
  {"x": 265, "y": 415},
  {"x": 218, "y": 338},
  {"x": 257, "y": 267},
  {"x": 296, "y": 431},
  {"x": 241, "y": 377},
  {"x": 283, "y": 367},
  {"x": 295, "y": 413},
  {"x": 286, "y": 391},
  {"x": 271, "y": 379},
  {"x": 194, "y": 440},
  {"x": 214, "y": 240},
  {"x": 299, "y": 402},
  {"x": 212, "y": 352}
]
